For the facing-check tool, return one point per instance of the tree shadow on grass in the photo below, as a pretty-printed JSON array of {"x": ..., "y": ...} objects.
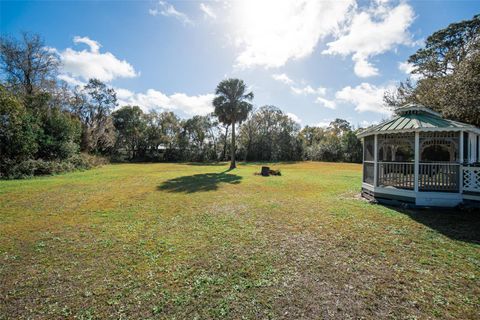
[
  {"x": 462, "y": 225},
  {"x": 199, "y": 182},
  {"x": 205, "y": 164}
]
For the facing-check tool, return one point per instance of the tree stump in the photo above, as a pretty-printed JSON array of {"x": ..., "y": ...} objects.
[
  {"x": 275, "y": 173},
  {"x": 265, "y": 171}
]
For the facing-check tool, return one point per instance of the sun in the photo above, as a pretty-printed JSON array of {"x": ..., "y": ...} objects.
[{"x": 264, "y": 28}]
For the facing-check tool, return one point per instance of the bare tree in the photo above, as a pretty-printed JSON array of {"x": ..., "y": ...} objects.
[{"x": 27, "y": 63}]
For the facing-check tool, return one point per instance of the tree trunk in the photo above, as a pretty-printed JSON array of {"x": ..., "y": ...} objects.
[
  {"x": 232, "y": 150},
  {"x": 224, "y": 154},
  {"x": 132, "y": 150}
]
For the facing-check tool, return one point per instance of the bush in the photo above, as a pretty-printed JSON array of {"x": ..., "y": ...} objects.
[
  {"x": 18, "y": 131},
  {"x": 325, "y": 151},
  {"x": 29, "y": 168},
  {"x": 84, "y": 161},
  {"x": 59, "y": 136},
  {"x": 39, "y": 167}
]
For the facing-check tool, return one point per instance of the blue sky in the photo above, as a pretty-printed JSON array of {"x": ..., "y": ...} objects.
[{"x": 316, "y": 60}]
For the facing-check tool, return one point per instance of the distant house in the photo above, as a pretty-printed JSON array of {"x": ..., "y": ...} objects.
[{"x": 420, "y": 158}]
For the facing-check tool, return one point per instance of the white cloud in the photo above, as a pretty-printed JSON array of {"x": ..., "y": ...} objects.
[
  {"x": 168, "y": 10},
  {"x": 366, "y": 123},
  {"x": 94, "y": 45},
  {"x": 282, "y": 77},
  {"x": 294, "y": 117},
  {"x": 270, "y": 33},
  {"x": 308, "y": 90},
  {"x": 365, "y": 97},
  {"x": 208, "y": 11},
  {"x": 408, "y": 69},
  {"x": 200, "y": 104},
  {"x": 325, "y": 123},
  {"x": 372, "y": 32},
  {"x": 330, "y": 104},
  {"x": 123, "y": 94},
  {"x": 362, "y": 67},
  {"x": 405, "y": 67},
  {"x": 70, "y": 80},
  {"x": 87, "y": 64},
  {"x": 156, "y": 100},
  {"x": 304, "y": 90}
]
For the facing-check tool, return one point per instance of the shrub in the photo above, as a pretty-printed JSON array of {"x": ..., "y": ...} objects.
[
  {"x": 39, "y": 167},
  {"x": 84, "y": 161},
  {"x": 18, "y": 131},
  {"x": 29, "y": 168},
  {"x": 59, "y": 136},
  {"x": 325, "y": 151}
]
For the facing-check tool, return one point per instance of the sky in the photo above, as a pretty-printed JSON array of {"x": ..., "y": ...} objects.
[{"x": 315, "y": 60}]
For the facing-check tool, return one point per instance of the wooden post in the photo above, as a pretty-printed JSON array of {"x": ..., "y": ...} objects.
[
  {"x": 460, "y": 167},
  {"x": 363, "y": 160},
  {"x": 375, "y": 161},
  {"x": 416, "y": 167},
  {"x": 478, "y": 148},
  {"x": 460, "y": 151}
]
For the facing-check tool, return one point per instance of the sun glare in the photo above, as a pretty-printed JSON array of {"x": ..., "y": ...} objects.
[{"x": 262, "y": 26}]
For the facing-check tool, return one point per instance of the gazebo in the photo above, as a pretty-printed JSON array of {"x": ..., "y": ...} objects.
[{"x": 420, "y": 158}]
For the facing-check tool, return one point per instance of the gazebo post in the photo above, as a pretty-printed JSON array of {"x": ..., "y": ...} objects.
[
  {"x": 460, "y": 167},
  {"x": 416, "y": 166},
  {"x": 375, "y": 161},
  {"x": 460, "y": 148}
]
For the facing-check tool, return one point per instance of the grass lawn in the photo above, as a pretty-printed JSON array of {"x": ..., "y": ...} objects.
[{"x": 182, "y": 241}]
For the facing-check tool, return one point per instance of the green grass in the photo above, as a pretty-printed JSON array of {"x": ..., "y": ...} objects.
[{"x": 182, "y": 241}]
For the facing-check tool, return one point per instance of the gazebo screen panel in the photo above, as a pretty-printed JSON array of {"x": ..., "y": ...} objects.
[
  {"x": 439, "y": 157},
  {"x": 368, "y": 148},
  {"x": 399, "y": 147},
  {"x": 368, "y": 172},
  {"x": 440, "y": 147},
  {"x": 396, "y": 155},
  {"x": 368, "y": 159}
]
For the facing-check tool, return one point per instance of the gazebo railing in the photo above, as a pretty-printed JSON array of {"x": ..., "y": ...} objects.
[
  {"x": 396, "y": 174},
  {"x": 471, "y": 179},
  {"x": 443, "y": 177},
  {"x": 432, "y": 177}
]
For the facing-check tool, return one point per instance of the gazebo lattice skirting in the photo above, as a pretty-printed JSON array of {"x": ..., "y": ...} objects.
[{"x": 421, "y": 158}]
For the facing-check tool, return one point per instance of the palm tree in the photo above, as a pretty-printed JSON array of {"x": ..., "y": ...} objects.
[{"x": 232, "y": 106}]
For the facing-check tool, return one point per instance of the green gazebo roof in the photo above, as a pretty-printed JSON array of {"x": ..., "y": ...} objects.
[{"x": 411, "y": 118}]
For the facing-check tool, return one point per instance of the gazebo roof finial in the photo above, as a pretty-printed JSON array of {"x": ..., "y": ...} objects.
[{"x": 415, "y": 108}]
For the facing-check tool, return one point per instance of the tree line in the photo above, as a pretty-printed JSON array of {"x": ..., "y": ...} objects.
[
  {"x": 47, "y": 126},
  {"x": 266, "y": 134}
]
